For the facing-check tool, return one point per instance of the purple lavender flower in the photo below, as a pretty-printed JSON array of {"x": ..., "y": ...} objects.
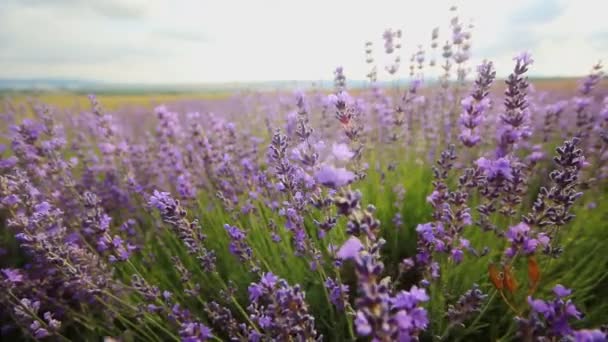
[
  {"x": 362, "y": 324},
  {"x": 189, "y": 232},
  {"x": 255, "y": 292},
  {"x": 561, "y": 291},
  {"x": 339, "y": 78},
  {"x": 475, "y": 105},
  {"x": 38, "y": 331},
  {"x": 468, "y": 304},
  {"x": 409, "y": 299},
  {"x": 410, "y": 318},
  {"x": 340, "y": 100},
  {"x": 426, "y": 232},
  {"x": 350, "y": 249},
  {"x": 524, "y": 59},
  {"x": 8, "y": 162},
  {"x": 269, "y": 280},
  {"x": 12, "y": 275},
  {"x": 184, "y": 186},
  {"x": 280, "y": 310},
  {"x": 493, "y": 169},
  {"x": 334, "y": 177},
  {"x": 28, "y": 311},
  {"x": 521, "y": 239},
  {"x": 538, "y": 305},
  {"x": 194, "y": 332},
  {"x": 162, "y": 201},
  {"x": 338, "y": 293},
  {"x": 550, "y": 319},
  {"x": 341, "y": 152},
  {"x": 588, "y": 335},
  {"x": 388, "y": 37},
  {"x": 238, "y": 245},
  {"x": 10, "y": 200},
  {"x": 515, "y": 121}
]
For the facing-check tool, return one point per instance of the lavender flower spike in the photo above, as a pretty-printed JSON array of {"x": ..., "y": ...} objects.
[{"x": 476, "y": 104}]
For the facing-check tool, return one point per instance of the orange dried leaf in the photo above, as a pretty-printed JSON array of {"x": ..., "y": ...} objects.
[
  {"x": 495, "y": 276},
  {"x": 509, "y": 280},
  {"x": 533, "y": 272}
]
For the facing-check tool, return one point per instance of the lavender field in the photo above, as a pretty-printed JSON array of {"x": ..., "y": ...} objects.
[{"x": 470, "y": 206}]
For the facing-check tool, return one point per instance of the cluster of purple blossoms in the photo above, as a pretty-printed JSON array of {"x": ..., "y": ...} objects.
[
  {"x": 522, "y": 240},
  {"x": 116, "y": 247},
  {"x": 238, "y": 243},
  {"x": 451, "y": 214},
  {"x": 380, "y": 313},
  {"x": 42, "y": 232},
  {"x": 96, "y": 226},
  {"x": 279, "y": 311},
  {"x": 467, "y": 306},
  {"x": 334, "y": 177},
  {"x": 550, "y": 320},
  {"x": 501, "y": 182},
  {"x": 12, "y": 276},
  {"x": 552, "y": 208},
  {"x": 194, "y": 332},
  {"x": 495, "y": 169},
  {"x": 434, "y": 238},
  {"x": 40, "y": 327},
  {"x": 224, "y": 320},
  {"x": 338, "y": 293},
  {"x": 410, "y": 318}
]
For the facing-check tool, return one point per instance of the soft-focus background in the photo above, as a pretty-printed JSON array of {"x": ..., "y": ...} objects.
[{"x": 189, "y": 42}]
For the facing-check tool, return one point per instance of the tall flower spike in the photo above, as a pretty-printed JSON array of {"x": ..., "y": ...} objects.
[
  {"x": 189, "y": 232},
  {"x": 476, "y": 104},
  {"x": 514, "y": 122}
]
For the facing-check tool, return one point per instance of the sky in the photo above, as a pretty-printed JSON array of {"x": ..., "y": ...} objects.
[{"x": 200, "y": 41}]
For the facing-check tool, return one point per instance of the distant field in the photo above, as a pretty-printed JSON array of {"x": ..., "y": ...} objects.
[
  {"x": 151, "y": 99},
  {"x": 110, "y": 102}
]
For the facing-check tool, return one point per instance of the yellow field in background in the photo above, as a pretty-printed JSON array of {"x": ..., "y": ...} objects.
[
  {"x": 110, "y": 102},
  {"x": 150, "y": 100}
]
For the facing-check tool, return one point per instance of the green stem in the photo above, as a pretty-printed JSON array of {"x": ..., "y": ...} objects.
[
  {"x": 236, "y": 303},
  {"x": 482, "y": 312}
]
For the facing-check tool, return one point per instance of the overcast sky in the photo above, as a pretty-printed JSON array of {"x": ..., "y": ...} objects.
[{"x": 175, "y": 41}]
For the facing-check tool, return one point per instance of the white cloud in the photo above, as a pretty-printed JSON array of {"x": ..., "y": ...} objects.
[{"x": 207, "y": 41}]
